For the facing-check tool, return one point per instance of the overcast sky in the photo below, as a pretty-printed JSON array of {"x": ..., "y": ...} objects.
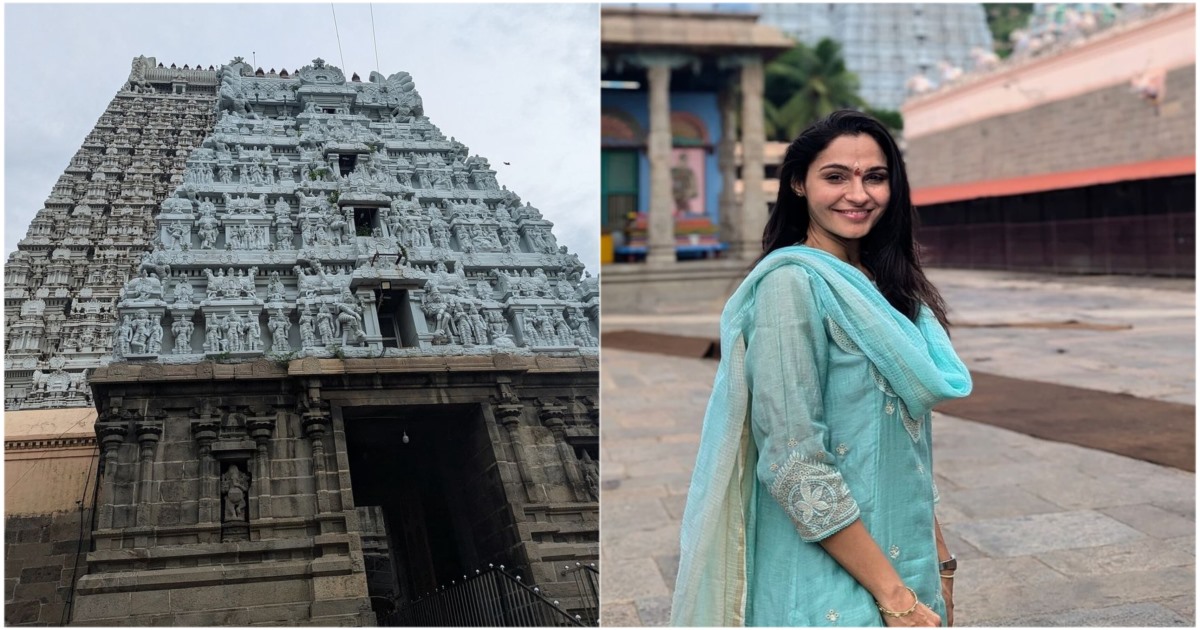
[{"x": 515, "y": 83}]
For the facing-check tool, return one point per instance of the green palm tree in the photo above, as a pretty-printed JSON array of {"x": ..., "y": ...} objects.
[{"x": 806, "y": 84}]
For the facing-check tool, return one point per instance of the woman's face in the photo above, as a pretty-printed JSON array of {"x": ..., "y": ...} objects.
[{"x": 847, "y": 189}]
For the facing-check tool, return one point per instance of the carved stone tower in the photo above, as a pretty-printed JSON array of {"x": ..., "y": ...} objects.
[
  {"x": 348, "y": 348},
  {"x": 61, "y": 285}
]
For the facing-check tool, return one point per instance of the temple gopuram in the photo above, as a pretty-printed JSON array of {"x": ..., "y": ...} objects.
[{"x": 341, "y": 375}]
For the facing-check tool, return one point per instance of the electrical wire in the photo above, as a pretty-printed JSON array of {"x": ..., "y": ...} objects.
[
  {"x": 373, "y": 40},
  {"x": 70, "y": 603},
  {"x": 339, "y": 37}
]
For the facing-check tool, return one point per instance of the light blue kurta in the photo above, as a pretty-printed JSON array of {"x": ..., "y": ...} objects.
[{"x": 805, "y": 434}]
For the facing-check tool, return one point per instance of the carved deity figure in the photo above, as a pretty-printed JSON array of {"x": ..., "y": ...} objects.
[
  {"x": 280, "y": 327},
  {"x": 479, "y": 327},
  {"x": 325, "y": 326},
  {"x": 180, "y": 236},
  {"x": 583, "y": 336},
  {"x": 208, "y": 227},
  {"x": 125, "y": 335},
  {"x": 436, "y": 307},
  {"x": 182, "y": 330},
  {"x": 154, "y": 346},
  {"x": 349, "y": 319},
  {"x": 275, "y": 291},
  {"x": 591, "y": 475},
  {"x": 308, "y": 335},
  {"x": 139, "y": 337},
  {"x": 253, "y": 332},
  {"x": 225, "y": 174},
  {"x": 235, "y": 486}
]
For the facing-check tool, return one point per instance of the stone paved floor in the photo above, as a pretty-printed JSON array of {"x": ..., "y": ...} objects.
[{"x": 1048, "y": 533}]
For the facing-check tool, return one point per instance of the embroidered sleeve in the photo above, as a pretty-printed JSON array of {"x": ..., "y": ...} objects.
[
  {"x": 814, "y": 495},
  {"x": 786, "y": 363}
]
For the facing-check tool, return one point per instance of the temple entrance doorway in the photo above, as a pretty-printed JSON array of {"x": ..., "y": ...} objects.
[{"x": 429, "y": 497}]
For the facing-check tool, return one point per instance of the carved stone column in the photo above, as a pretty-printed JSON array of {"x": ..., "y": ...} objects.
[
  {"x": 661, "y": 234},
  {"x": 727, "y": 162},
  {"x": 261, "y": 429},
  {"x": 111, "y": 434},
  {"x": 148, "y": 435},
  {"x": 374, "y": 338},
  {"x": 552, "y": 418},
  {"x": 509, "y": 415},
  {"x": 753, "y": 218},
  {"x": 315, "y": 421},
  {"x": 205, "y": 430}
]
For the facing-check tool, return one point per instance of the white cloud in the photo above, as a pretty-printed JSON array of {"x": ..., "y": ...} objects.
[{"x": 515, "y": 83}]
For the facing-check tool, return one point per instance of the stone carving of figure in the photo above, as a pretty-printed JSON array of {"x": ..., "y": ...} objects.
[
  {"x": 308, "y": 336},
  {"x": 181, "y": 236},
  {"x": 208, "y": 227},
  {"x": 256, "y": 174},
  {"x": 253, "y": 332},
  {"x": 349, "y": 319},
  {"x": 275, "y": 288},
  {"x": 479, "y": 327},
  {"x": 325, "y": 324},
  {"x": 591, "y": 475},
  {"x": 182, "y": 330},
  {"x": 531, "y": 324},
  {"x": 235, "y": 486},
  {"x": 418, "y": 235},
  {"x": 441, "y": 235},
  {"x": 461, "y": 325},
  {"x": 140, "y": 336},
  {"x": 435, "y": 306},
  {"x": 212, "y": 336},
  {"x": 125, "y": 335},
  {"x": 234, "y": 332},
  {"x": 280, "y": 327},
  {"x": 225, "y": 174},
  {"x": 156, "y": 336},
  {"x": 583, "y": 336},
  {"x": 510, "y": 240}
]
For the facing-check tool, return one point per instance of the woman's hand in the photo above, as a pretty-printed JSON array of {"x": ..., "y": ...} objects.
[
  {"x": 922, "y": 617},
  {"x": 948, "y": 596}
]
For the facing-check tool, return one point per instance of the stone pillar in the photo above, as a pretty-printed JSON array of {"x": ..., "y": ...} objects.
[
  {"x": 661, "y": 234},
  {"x": 148, "y": 434},
  {"x": 753, "y": 219},
  {"x": 261, "y": 429},
  {"x": 316, "y": 424},
  {"x": 509, "y": 415},
  {"x": 552, "y": 418},
  {"x": 111, "y": 437},
  {"x": 205, "y": 431},
  {"x": 727, "y": 163},
  {"x": 366, "y": 297}
]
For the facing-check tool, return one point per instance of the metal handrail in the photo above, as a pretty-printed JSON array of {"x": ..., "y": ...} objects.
[
  {"x": 587, "y": 583},
  {"x": 490, "y": 598}
]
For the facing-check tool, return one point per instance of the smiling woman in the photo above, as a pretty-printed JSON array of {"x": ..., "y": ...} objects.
[{"x": 812, "y": 500}]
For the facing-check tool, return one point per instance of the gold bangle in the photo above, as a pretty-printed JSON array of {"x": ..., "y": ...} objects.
[
  {"x": 892, "y": 613},
  {"x": 948, "y": 577}
]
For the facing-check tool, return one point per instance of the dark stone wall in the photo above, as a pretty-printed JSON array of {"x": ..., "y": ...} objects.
[{"x": 42, "y": 556}]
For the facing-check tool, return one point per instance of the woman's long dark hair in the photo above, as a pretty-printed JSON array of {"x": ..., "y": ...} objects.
[{"x": 889, "y": 251}]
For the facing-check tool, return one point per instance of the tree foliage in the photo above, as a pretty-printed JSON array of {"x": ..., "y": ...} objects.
[
  {"x": 1002, "y": 20},
  {"x": 806, "y": 84}
]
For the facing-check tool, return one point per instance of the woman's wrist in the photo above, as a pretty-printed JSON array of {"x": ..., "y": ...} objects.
[{"x": 895, "y": 597}]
